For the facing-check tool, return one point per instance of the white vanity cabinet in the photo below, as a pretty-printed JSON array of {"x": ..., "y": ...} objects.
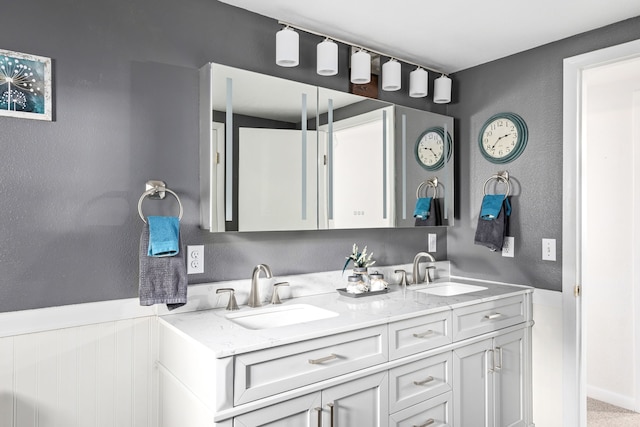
[
  {"x": 492, "y": 377},
  {"x": 463, "y": 365}
]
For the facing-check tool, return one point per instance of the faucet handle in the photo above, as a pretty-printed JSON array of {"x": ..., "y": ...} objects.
[
  {"x": 403, "y": 277},
  {"x": 232, "y": 305},
  {"x": 275, "y": 299}
]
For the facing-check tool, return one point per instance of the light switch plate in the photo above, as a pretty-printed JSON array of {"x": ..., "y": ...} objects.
[
  {"x": 548, "y": 249},
  {"x": 508, "y": 246},
  {"x": 432, "y": 242},
  {"x": 195, "y": 259}
]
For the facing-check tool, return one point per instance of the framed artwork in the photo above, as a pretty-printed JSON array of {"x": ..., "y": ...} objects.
[{"x": 25, "y": 85}]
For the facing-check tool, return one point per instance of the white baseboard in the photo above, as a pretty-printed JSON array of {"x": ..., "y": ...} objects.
[{"x": 612, "y": 398}]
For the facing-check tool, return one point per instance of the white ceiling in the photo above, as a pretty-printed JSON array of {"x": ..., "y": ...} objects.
[{"x": 447, "y": 35}]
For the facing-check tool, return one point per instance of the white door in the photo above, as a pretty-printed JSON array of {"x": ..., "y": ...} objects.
[
  {"x": 363, "y": 402},
  {"x": 574, "y": 370},
  {"x": 473, "y": 385},
  {"x": 277, "y": 188},
  {"x": 509, "y": 379},
  {"x": 611, "y": 107}
]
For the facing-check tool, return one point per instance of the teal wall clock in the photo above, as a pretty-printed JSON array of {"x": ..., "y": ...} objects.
[
  {"x": 503, "y": 138},
  {"x": 430, "y": 148}
]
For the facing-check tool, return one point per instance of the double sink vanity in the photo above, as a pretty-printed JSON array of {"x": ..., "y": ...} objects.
[{"x": 455, "y": 352}]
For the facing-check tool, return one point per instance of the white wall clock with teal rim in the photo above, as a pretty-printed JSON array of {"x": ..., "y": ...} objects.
[
  {"x": 503, "y": 138},
  {"x": 430, "y": 148}
]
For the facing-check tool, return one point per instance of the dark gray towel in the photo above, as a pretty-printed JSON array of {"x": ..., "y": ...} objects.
[
  {"x": 435, "y": 215},
  {"x": 491, "y": 233},
  {"x": 162, "y": 280}
]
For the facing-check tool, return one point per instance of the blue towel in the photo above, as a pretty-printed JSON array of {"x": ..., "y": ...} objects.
[
  {"x": 423, "y": 206},
  {"x": 491, "y": 205},
  {"x": 164, "y": 235}
]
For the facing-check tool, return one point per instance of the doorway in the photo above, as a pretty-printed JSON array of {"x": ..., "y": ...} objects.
[
  {"x": 610, "y": 158},
  {"x": 583, "y": 240}
]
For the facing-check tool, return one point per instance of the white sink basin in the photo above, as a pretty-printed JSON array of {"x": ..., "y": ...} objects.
[
  {"x": 448, "y": 289},
  {"x": 273, "y": 317}
]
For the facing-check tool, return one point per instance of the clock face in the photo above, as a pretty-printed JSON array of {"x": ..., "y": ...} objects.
[
  {"x": 499, "y": 138},
  {"x": 430, "y": 149},
  {"x": 503, "y": 138}
]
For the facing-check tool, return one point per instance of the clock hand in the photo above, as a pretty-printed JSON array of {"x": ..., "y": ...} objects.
[{"x": 497, "y": 140}]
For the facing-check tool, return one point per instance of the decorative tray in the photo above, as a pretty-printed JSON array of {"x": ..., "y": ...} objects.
[{"x": 343, "y": 291}]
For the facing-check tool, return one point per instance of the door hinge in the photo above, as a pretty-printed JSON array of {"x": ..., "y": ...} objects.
[
  {"x": 576, "y": 291},
  {"x": 324, "y": 160},
  {"x": 217, "y": 158}
]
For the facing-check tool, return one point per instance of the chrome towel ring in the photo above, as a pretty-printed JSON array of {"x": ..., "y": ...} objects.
[
  {"x": 500, "y": 176},
  {"x": 157, "y": 187},
  {"x": 433, "y": 183}
]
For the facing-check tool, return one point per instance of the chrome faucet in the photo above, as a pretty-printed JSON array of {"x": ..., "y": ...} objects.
[
  {"x": 416, "y": 268},
  {"x": 254, "y": 295}
]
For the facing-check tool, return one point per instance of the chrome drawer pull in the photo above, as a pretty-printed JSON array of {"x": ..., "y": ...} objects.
[
  {"x": 499, "y": 365},
  {"x": 424, "y": 334},
  {"x": 491, "y": 369},
  {"x": 428, "y": 423},
  {"x": 323, "y": 359},
  {"x": 492, "y": 316},
  {"x": 428, "y": 380},
  {"x": 330, "y": 405},
  {"x": 319, "y": 411}
]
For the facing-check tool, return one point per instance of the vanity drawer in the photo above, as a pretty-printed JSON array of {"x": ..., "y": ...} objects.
[
  {"x": 436, "y": 412},
  {"x": 275, "y": 370},
  {"x": 420, "y": 380},
  {"x": 489, "y": 316},
  {"x": 419, "y": 334}
]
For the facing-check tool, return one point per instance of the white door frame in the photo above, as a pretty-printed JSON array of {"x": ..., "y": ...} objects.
[{"x": 574, "y": 369}]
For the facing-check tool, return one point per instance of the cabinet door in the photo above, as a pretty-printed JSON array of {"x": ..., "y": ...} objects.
[
  {"x": 473, "y": 385},
  {"x": 304, "y": 411},
  {"x": 509, "y": 379},
  {"x": 363, "y": 402}
]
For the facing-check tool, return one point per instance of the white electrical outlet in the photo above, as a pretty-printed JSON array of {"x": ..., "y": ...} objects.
[
  {"x": 548, "y": 249},
  {"x": 433, "y": 238},
  {"x": 508, "y": 244},
  {"x": 195, "y": 259}
]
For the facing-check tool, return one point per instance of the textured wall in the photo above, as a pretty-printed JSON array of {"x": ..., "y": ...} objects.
[
  {"x": 126, "y": 99},
  {"x": 529, "y": 84}
]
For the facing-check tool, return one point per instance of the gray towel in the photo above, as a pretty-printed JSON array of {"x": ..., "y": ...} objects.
[
  {"x": 435, "y": 215},
  {"x": 162, "y": 280},
  {"x": 490, "y": 233}
]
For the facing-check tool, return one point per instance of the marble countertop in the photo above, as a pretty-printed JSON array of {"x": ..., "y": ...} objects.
[{"x": 225, "y": 338}]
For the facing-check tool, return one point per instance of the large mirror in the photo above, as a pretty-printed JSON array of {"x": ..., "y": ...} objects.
[{"x": 282, "y": 155}]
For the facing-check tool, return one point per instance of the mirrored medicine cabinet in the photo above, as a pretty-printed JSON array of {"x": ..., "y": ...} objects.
[{"x": 281, "y": 155}]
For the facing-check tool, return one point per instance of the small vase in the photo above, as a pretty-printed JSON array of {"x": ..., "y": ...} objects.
[{"x": 361, "y": 271}]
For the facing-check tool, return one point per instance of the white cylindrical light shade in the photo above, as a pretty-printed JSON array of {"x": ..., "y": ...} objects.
[
  {"x": 327, "y": 57},
  {"x": 391, "y": 75},
  {"x": 442, "y": 90},
  {"x": 418, "y": 83},
  {"x": 287, "y": 52},
  {"x": 360, "y": 67}
]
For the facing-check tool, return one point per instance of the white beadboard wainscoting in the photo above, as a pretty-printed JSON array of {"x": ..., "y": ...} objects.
[
  {"x": 93, "y": 365},
  {"x": 81, "y": 365}
]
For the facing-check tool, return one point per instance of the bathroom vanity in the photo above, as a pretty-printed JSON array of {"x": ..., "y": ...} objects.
[{"x": 404, "y": 358}]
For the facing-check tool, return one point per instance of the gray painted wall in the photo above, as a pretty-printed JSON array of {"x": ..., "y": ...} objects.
[
  {"x": 529, "y": 84},
  {"x": 126, "y": 99}
]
